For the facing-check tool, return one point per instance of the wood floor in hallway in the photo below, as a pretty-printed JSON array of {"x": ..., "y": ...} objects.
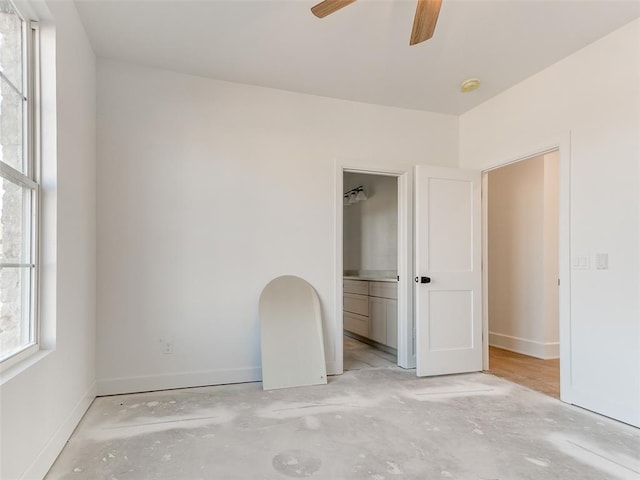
[{"x": 537, "y": 374}]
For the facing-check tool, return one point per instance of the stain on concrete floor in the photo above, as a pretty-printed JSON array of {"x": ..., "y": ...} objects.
[{"x": 378, "y": 424}]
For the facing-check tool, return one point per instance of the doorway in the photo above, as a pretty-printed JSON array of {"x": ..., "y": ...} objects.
[
  {"x": 522, "y": 271},
  {"x": 442, "y": 306},
  {"x": 370, "y": 270}
]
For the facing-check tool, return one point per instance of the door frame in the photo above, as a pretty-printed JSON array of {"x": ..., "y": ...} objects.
[
  {"x": 406, "y": 324},
  {"x": 561, "y": 144}
]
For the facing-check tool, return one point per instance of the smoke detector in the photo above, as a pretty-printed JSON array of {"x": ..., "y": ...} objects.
[{"x": 469, "y": 85}]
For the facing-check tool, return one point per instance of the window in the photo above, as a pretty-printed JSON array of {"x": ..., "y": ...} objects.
[{"x": 19, "y": 189}]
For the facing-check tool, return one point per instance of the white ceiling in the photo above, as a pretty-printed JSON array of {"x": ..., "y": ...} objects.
[{"x": 359, "y": 53}]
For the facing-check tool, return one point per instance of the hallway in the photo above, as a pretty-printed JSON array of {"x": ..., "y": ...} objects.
[{"x": 537, "y": 374}]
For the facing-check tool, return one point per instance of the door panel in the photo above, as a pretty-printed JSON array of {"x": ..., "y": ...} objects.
[
  {"x": 448, "y": 308},
  {"x": 451, "y": 315},
  {"x": 450, "y": 252}
]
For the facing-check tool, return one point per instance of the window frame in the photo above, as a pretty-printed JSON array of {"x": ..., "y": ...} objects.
[{"x": 29, "y": 181}]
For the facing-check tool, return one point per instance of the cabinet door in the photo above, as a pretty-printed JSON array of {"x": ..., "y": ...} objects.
[
  {"x": 377, "y": 319},
  {"x": 392, "y": 323}
]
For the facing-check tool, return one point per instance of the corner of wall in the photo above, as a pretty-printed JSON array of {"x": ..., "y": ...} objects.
[{"x": 56, "y": 443}]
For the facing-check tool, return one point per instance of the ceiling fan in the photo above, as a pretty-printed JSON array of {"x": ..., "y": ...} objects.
[{"x": 424, "y": 21}]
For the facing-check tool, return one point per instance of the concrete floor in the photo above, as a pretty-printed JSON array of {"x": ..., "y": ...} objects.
[{"x": 378, "y": 423}]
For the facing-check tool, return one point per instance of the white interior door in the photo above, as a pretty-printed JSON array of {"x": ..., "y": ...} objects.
[{"x": 448, "y": 256}]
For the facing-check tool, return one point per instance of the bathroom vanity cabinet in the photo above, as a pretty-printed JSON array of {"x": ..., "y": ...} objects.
[{"x": 370, "y": 309}]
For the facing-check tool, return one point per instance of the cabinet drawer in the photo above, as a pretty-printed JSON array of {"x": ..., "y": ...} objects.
[
  {"x": 356, "y": 323},
  {"x": 356, "y": 304},
  {"x": 359, "y": 287},
  {"x": 383, "y": 289}
]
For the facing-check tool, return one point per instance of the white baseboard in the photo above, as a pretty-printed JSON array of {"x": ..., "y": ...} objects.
[
  {"x": 58, "y": 440},
  {"x": 600, "y": 402},
  {"x": 545, "y": 351},
  {"x": 148, "y": 383},
  {"x": 116, "y": 386}
]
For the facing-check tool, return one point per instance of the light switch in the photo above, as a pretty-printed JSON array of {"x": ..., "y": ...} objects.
[
  {"x": 581, "y": 262},
  {"x": 602, "y": 261}
]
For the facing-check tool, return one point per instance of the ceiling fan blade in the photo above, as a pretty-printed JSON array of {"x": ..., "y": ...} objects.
[
  {"x": 424, "y": 22},
  {"x": 327, "y": 7}
]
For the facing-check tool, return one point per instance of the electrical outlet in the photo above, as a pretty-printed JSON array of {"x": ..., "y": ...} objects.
[{"x": 166, "y": 346}]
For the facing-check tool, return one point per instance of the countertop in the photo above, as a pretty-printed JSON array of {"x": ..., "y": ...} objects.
[{"x": 372, "y": 279}]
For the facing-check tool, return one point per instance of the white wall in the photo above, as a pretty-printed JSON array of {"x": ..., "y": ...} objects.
[
  {"x": 43, "y": 399},
  {"x": 206, "y": 191},
  {"x": 371, "y": 226},
  {"x": 523, "y": 258},
  {"x": 595, "y": 95}
]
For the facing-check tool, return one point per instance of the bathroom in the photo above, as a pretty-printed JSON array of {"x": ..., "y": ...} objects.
[{"x": 370, "y": 268}]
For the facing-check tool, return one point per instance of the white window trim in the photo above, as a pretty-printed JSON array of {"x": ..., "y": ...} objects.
[{"x": 29, "y": 180}]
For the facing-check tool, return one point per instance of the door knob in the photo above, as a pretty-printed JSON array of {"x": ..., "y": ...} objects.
[{"x": 423, "y": 279}]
